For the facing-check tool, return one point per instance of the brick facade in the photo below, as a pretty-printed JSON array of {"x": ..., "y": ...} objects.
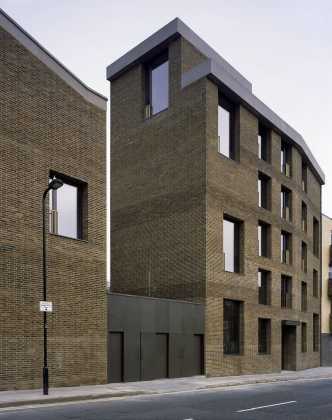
[
  {"x": 48, "y": 126},
  {"x": 170, "y": 190}
]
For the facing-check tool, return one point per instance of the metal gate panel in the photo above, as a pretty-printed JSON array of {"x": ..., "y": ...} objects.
[{"x": 115, "y": 366}]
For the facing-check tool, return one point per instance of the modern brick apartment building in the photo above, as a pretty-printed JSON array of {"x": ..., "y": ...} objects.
[
  {"x": 215, "y": 200},
  {"x": 50, "y": 124},
  {"x": 326, "y": 310}
]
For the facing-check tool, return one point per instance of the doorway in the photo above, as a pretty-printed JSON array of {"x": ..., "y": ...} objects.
[{"x": 288, "y": 346}]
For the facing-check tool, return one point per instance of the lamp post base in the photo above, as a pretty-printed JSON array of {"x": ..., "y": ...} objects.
[{"x": 45, "y": 380}]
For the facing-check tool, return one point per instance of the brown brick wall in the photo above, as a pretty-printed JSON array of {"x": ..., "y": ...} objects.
[
  {"x": 170, "y": 189},
  {"x": 46, "y": 125},
  {"x": 158, "y": 182}
]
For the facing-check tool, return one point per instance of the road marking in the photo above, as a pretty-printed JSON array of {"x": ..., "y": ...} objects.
[{"x": 266, "y": 406}]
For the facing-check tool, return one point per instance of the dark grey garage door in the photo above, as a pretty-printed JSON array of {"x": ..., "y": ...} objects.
[
  {"x": 154, "y": 356},
  {"x": 115, "y": 362}
]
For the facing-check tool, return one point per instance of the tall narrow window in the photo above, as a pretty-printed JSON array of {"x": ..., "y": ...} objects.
[
  {"x": 304, "y": 177},
  {"x": 226, "y": 141},
  {"x": 264, "y": 191},
  {"x": 315, "y": 237},
  {"x": 304, "y": 257},
  {"x": 286, "y": 292},
  {"x": 264, "y": 336},
  {"x": 286, "y": 158},
  {"x": 158, "y": 85},
  {"x": 304, "y": 297},
  {"x": 304, "y": 217},
  {"x": 231, "y": 241},
  {"x": 315, "y": 283},
  {"x": 264, "y": 287},
  {"x": 315, "y": 332},
  {"x": 286, "y": 203},
  {"x": 303, "y": 337},
  {"x": 66, "y": 209},
  {"x": 232, "y": 326},
  {"x": 286, "y": 247},
  {"x": 263, "y": 143},
  {"x": 264, "y": 249}
]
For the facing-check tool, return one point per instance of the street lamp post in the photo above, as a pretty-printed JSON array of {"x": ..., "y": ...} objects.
[{"x": 53, "y": 185}]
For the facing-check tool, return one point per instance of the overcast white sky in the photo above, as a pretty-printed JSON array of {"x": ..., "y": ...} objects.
[{"x": 283, "y": 47}]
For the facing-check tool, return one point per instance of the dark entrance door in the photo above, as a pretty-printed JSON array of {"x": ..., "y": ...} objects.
[
  {"x": 115, "y": 364},
  {"x": 288, "y": 347}
]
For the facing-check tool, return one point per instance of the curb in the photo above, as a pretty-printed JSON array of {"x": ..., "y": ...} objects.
[{"x": 50, "y": 400}]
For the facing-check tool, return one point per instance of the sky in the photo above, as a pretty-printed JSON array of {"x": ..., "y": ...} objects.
[{"x": 283, "y": 47}]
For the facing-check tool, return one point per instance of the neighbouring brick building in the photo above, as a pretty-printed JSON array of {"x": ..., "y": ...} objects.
[
  {"x": 215, "y": 200},
  {"x": 326, "y": 310},
  {"x": 50, "y": 124}
]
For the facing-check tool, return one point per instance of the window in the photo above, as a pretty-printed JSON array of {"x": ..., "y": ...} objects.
[
  {"x": 231, "y": 243},
  {"x": 303, "y": 296},
  {"x": 264, "y": 287},
  {"x": 157, "y": 88},
  {"x": 303, "y": 337},
  {"x": 232, "y": 326},
  {"x": 264, "y": 249},
  {"x": 315, "y": 332},
  {"x": 263, "y": 143},
  {"x": 264, "y": 336},
  {"x": 226, "y": 142},
  {"x": 286, "y": 158},
  {"x": 286, "y": 292},
  {"x": 285, "y": 247},
  {"x": 66, "y": 208},
  {"x": 304, "y": 257},
  {"x": 304, "y": 217},
  {"x": 315, "y": 236},
  {"x": 286, "y": 203},
  {"x": 304, "y": 177},
  {"x": 264, "y": 191},
  {"x": 315, "y": 283}
]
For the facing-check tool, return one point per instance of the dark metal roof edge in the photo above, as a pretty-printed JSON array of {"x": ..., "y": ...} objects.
[
  {"x": 211, "y": 68},
  {"x": 173, "y": 28}
]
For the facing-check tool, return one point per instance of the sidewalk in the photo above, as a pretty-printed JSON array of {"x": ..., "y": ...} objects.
[{"x": 160, "y": 386}]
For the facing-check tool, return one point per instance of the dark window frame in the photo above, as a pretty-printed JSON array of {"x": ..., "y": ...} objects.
[
  {"x": 264, "y": 240},
  {"x": 315, "y": 283},
  {"x": 304, "y": 217},
  {"x": 264, "y": 191},
  {"x": 304, "y": 297},
  {"x": 82, "y": 206},
  {"x": 304, "y": 257},
  {"x": 149, "y": 67},
  {"x": 315, "y": 332},
  {"x": 315, "y": 237},
  {"x": 230, "y": 107},
  {"x": 264, "y": 287},
  {"x": 286, "y": 245},
  {"x": 233, "y": 327},
  {"x": 286, "y": 203},
  {"x": 264, "y": 336},
  {"x": 264, "y": 145},
  {"x": 286, "y": 292},
  {"x": 286, "y": 158},
  {"x": 237, "y": 243},
  {"x": 304, "y": 177},
  {"x": 304, "y": 345}
]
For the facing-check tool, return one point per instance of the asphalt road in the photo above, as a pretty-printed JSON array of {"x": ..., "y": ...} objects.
[{"x": 292, "y": 400}]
